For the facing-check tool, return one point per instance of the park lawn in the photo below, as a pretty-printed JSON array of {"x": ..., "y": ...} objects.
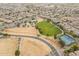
[{"x": 47, "y": 28}]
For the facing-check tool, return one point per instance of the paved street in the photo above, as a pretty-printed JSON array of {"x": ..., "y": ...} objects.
[{"x": 53, "y": 50}]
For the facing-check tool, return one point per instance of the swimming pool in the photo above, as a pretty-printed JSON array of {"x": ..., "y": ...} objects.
[{"x": 66, "y": 39}]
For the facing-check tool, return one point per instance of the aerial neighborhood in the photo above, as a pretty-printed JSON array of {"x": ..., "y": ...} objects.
[{"x": 28, "y": 29}]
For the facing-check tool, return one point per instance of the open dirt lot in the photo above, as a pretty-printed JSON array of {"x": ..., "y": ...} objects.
[
  {"x": 30, "y": 46},
  {"x": 22, "y": 31},
  {"x": 8, "y": 46}
]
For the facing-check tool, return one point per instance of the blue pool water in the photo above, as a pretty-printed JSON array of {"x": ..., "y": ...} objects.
[{"x": 67, "y": 39}]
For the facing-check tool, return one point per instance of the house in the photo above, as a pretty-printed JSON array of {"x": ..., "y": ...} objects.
[{"x": 1, "y": 25}]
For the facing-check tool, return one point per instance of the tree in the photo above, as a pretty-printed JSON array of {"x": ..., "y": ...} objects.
[
  {"x": 17, "y": 53},
  {"x": 55, "y": 36},
  {"x": 66, "y": 52},
  {"x": 74, "y": 47},
  {"x": 71, "y": 49},
  {"x": 6, "y": 34}
]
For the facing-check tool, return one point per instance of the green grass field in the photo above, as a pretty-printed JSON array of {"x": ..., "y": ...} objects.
[{"x": 47, "y": 28}]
